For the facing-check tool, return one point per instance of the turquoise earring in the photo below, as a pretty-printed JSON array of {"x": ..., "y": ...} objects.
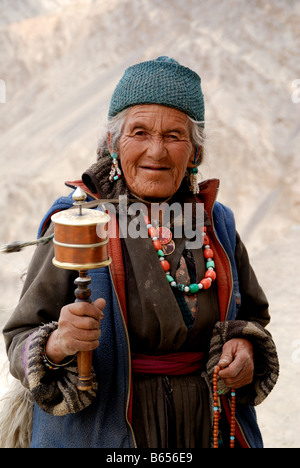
[
  {"x": 193, "y": 179},
  {"x": 115, "y": 172}
]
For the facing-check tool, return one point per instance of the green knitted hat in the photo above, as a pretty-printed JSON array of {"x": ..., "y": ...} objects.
[{"x": 162, "y": 81}]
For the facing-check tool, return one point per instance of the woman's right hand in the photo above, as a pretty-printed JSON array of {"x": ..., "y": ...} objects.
[{"x": 78, "y": 330}]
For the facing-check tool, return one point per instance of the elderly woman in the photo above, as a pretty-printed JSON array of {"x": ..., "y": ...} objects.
[{"x": 167, "y": 313}]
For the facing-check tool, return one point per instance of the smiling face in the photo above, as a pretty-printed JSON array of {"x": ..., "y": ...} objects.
[{"x": 154, "y": 150}]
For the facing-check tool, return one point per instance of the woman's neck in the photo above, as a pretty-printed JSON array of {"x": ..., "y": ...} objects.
[{"x": 155, "y": 208}]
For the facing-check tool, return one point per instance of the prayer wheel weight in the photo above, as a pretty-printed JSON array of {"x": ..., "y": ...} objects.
[{"x": 80, "y": 243}]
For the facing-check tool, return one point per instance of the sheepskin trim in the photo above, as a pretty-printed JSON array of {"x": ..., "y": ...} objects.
[{"x": 16, "y": 417}]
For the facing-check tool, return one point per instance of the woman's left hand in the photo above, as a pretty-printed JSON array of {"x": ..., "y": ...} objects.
[{"x": 237, "y": 363}]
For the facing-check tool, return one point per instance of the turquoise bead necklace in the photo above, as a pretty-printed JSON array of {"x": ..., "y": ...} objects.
[{"x": 210, "y": 274}]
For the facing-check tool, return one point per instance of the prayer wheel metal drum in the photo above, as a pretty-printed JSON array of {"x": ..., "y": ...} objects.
[
  {"x": 80, "y": 243},
  {"x": 80, "y": 239}
]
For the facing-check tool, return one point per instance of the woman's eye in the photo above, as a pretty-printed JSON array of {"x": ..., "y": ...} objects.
[{"x": 171, "y": 136}]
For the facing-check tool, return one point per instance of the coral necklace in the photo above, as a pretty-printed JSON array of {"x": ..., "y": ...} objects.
[
  {"x": 210, "y": 274},
  {"x": 217, "y": 409}
]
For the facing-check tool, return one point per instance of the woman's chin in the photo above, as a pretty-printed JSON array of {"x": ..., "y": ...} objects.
[{"x": 154, "y": 196}]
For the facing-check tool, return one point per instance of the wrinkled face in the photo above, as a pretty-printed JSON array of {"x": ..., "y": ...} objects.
[{"x": 154, "y": 150}]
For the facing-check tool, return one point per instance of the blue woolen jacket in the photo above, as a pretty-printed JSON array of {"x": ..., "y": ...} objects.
[{"x": 105, "y": 423}]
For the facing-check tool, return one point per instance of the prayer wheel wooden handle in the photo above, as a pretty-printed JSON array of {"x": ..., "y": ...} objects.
[
  {"x": 84, "y": 358},
  {"x": 80, "y": 243}
]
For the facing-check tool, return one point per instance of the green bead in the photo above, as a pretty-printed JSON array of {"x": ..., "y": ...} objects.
[
  {"x": 114, "y": 155},
  {"x": 180, "y": 287},
  {"x": 160, "y": 253},
  {"x": 211, "y": 263},
  {"x": 194, "y": 288},
  {"x": 195, "y": 170},
  {"x": 170, "y": 278}
]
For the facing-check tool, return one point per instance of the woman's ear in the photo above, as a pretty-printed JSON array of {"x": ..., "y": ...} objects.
[
  {"x": 196, "y": 157},
  {"x": 109, "y": 142}
]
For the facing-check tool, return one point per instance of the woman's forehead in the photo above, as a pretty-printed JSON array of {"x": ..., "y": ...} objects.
[{"x": 155, "y": 115}]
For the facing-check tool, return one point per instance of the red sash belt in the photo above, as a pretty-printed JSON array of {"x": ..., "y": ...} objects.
[{"x": 168, "y": 364}]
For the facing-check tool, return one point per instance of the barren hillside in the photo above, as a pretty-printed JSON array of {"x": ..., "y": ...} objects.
[{"x": 60, "y": 61}]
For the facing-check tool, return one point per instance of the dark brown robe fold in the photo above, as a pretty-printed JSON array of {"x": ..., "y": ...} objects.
[{"x": 168, "y": 411}]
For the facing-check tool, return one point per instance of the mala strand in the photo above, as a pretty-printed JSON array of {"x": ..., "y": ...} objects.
[{"x": 217, "y": 410}]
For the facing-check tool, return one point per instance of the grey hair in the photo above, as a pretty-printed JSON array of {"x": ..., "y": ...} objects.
[
  {"x": 115, "y": 125},
  {"x": 197, "y": 138}
]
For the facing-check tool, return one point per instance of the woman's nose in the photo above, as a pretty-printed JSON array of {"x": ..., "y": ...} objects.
[{"x": 156, "y": 147}]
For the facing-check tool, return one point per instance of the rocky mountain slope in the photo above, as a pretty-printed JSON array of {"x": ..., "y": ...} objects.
[{"x": 60, "y": 61}]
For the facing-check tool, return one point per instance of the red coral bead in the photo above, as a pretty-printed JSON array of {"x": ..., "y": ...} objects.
[
  {"x": 166, "y": 265},
  {"x": 211, "y": 274},
  {"x": 152, "y": 231},
  {"x": 205, "y": 240},
  {"x": 206, "y": 282},
  {"x": 208, "y": 253},
  {"x": 157, "y": 245}
]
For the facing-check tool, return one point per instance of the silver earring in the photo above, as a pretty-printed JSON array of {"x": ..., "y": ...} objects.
[
  {"x": 193, "y": 171},
  {"x": 193, "y": 180},
  {"x": 115, "y": 172}
]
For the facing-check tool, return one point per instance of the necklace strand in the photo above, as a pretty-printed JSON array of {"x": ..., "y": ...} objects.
[
  {"x": 210, "y": 274},
  {"x": 217, "y": 411}
]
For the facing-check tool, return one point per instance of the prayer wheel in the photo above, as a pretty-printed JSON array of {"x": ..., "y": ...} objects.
[{"x": 80, "y": 243}]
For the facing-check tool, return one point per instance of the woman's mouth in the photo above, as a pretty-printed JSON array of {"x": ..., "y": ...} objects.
[{"x": 155, "y": 168}]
